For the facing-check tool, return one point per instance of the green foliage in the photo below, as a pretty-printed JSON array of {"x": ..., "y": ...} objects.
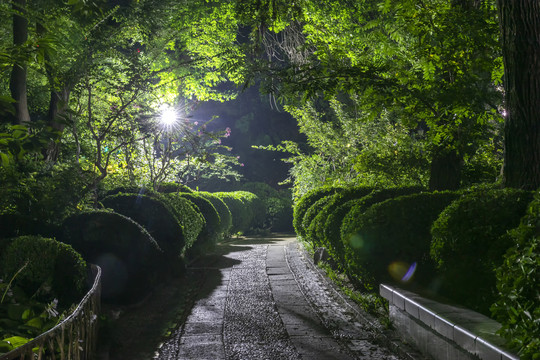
[
  {"x": 210, "y": 233},
  {"x": 389, "y": 238},
  {"x": 54, "y": 269},
  {"x": 128, "y": 255},
  {"x": 246, "y": 208},
  {"x": 169, "y": 187},
  {"x": 343, "y": 204},
  {"x": 239, "y": 213},
  {"x": 469, "y": 241},
  {"x": 317, "y": 230},
  {"x": 255, "y": 207},
  {"x": 17, "y": 141},
  {"x": 155, "y": 216},
  {"x": 192, "y": 220},
  {"x": 309, "y": 223},
  {"x": 223, "y": 212},
  {"x": 277, "y": 203},
  {"x": 518, "y": 282},
  {"x": 38, "y": 190},
  {"x": 305, "y": 202}
]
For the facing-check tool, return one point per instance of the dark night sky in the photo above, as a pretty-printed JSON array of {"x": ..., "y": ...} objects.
[{"x": 253, "y": 122}]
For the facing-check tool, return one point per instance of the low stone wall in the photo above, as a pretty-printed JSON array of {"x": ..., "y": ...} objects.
[{"x": 443, "y": 331}]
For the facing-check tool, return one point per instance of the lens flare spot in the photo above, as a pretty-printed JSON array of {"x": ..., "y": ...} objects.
[
  {"x": 356, "y": 241},
  {"x": 401, "y": 271}
]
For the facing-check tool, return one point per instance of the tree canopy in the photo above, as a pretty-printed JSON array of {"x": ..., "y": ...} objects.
[{"x": 385, "y": 92}]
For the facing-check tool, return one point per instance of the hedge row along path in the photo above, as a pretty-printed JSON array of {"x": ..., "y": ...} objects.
[{"x": 260, "y": 298}]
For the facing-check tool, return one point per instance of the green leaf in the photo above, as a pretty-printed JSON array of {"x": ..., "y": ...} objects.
[
  {"x": 36, "y": 322},
  {"x": 16, "y": 341}
]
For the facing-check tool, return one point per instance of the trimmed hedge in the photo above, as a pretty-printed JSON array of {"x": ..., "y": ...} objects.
[
  {"x": 224, "y": 213},
  {"x": 305, "y": 202},
  {"x": 352, "y": 209},
  {"x": 155, "y": 215},
  {"x": 277, "y": 203},
  {"x": 128, "y": 255},
  {"x": 246, "y": 209},
  {"x": 309, "y": 216},
  {"x": 170, "y": 187},
  {"x": 317, "y": 230},
  {"x": 189, "y": 216},
  {"x": 49, "y": 264},
  {"x": 469, "y": 243},
  {"x": 256, "y": 208},
  {"x": 209, "y": 235},
  {"x": 518, "y": 283},
  {"x": 391, "y": 237}
]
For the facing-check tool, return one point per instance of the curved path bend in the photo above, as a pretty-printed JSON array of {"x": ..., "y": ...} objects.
[{"x": 262, "y": 299}]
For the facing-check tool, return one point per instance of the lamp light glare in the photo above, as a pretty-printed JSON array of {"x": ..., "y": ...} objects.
[{"x": 168, "y": 117}]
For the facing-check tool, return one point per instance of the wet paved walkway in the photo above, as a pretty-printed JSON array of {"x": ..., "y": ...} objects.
[{"x": 261, "y": 299}]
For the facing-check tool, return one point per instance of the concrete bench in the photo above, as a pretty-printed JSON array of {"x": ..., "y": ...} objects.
[{"x": 444, "y": 331}]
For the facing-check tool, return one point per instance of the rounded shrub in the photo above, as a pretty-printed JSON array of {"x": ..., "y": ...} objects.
[
  {"x": 50, "y": 269},
  {"x": 277, "y": 205},
  {"x": 341, "y": 204},
  {"x": 308, "y": 224},
  {"x": 305, "y": 202},
  {"x": 469, "y": 243},
  {"x": 241, "y": 216},
  {"x": 128, "y": 255},
  {"x": 137, "y": 190},
  {"x": 317, "y": 227},
  {"x": 224, "y": 213},
  {"x": 390, "y": 240},
  {"x": 171, "y": 187},
  {"x": 189, "y": 216},
  {"x": 518, "y": 283},
  {"x": 154, "y": 215},
  {"x": 256, "y": 208},
  {"x": 208, "y": 236}
]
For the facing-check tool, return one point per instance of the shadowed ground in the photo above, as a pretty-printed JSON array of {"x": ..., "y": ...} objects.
[{"x": 254, "y": 298}]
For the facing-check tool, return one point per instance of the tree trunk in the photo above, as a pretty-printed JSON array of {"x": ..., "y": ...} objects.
[
  {"x": 57, "y": 107},
  {"x": 520, "y": 35},
  {"x": 17, "y": 81},
  {"x": 445, "y": 172}
]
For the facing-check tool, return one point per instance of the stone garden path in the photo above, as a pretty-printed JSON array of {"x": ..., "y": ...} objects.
[{"x": 260, "y": 298}]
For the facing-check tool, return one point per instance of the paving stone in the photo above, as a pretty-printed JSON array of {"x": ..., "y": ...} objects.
[{"x": 267, "y": 302}]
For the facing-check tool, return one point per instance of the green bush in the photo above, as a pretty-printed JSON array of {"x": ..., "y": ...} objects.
[
  {"x": 277, "y": 204},
  {"x": 137, "y": 190},
  {"x": 223, "y": 212},
  {"x": 389, "y": 238},
  {"x": 256, "y": 208},
  {"x": 518, "y": 283},
  {"x": 170, "y": 187},
  {"x": 128, "y": 255},
  {"x": 239, "y": 212},
  {"x": 247, "y": 210},
  {"x": 155, "y": 215},
  {"x": 305, "y": 202},
  {"x": 53, "y": 269},
  {"x": 334, "y": 237},
  {"x": 308, "y": 222},
  {"x": 469, "y": 243},
  {"x": 209, "y": 235},
  {"x": 317, "y": 228},
  {"x": 189, "y": 216}
]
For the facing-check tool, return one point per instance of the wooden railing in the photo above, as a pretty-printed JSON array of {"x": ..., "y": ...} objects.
[{"x": 75, "y": 338}]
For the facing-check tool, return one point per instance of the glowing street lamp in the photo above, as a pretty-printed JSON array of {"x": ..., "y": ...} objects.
[{"x": 168, "y": 118}]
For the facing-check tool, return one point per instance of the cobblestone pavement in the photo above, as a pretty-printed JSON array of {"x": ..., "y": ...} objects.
[{"x": 261, "y": 299}]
